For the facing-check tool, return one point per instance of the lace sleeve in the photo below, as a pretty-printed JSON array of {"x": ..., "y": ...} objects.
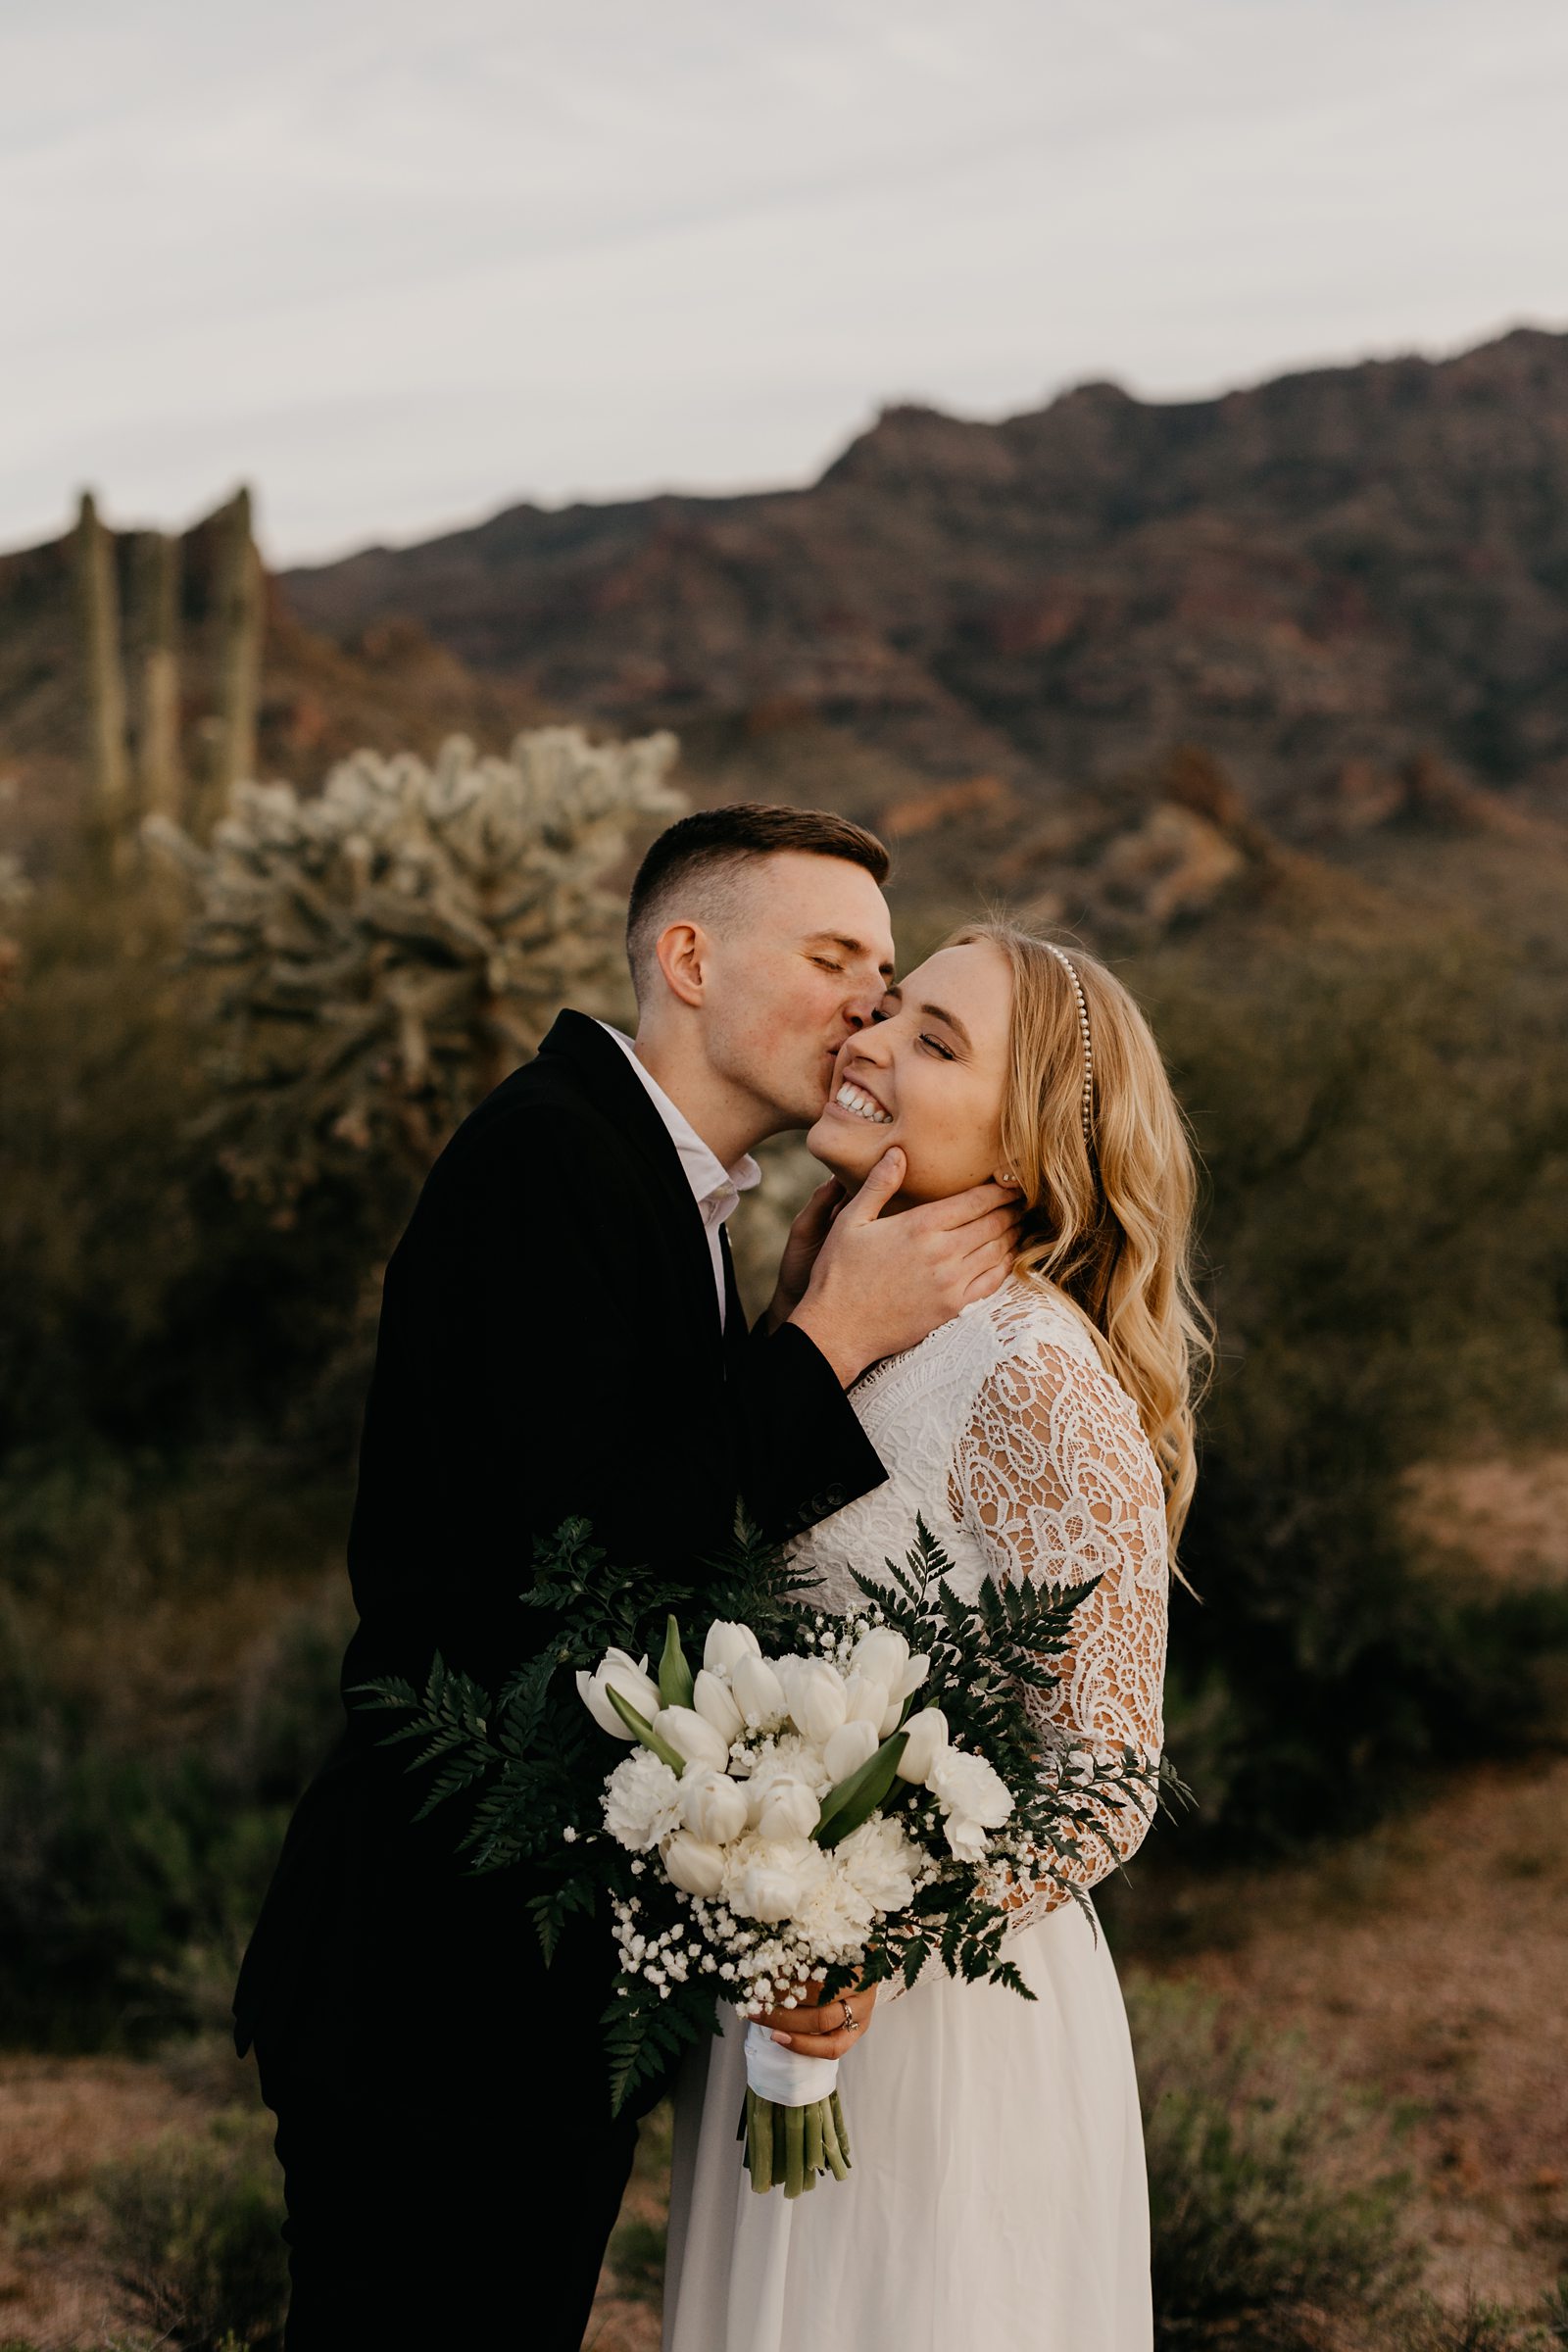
[{"x": 1055, "y": 1481}]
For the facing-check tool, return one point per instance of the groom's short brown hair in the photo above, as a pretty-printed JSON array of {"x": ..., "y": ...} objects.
[{"x": 708, "y": 846}]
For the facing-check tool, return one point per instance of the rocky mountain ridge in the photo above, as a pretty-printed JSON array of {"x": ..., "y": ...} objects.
[{"x": 1322, "y": 581}]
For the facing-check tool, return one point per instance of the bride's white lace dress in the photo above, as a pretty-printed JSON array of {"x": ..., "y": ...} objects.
[{"x": 997, "y": 2201}]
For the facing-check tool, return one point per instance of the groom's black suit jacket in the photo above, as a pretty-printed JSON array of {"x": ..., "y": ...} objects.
[{"x": 549, "y": 1346}]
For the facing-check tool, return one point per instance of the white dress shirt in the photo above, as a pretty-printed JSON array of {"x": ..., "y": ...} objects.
[{"x": 715, "y": 1189}]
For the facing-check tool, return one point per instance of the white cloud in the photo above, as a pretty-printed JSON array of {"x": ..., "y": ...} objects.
[{"x": 398, "y": 266}]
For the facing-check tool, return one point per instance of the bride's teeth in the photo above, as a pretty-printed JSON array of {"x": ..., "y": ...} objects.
[{"x": 850, "y": 1098}]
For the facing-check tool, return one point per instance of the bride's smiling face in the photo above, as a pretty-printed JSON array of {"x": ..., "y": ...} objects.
[{"x": 929, "y": 1075}]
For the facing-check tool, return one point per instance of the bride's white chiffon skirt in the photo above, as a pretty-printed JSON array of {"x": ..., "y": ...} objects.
[{"x": 998, "y": 2200}]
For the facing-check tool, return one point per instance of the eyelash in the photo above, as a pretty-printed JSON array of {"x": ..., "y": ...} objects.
[
  {"x": 935, "y": 1043},
  {"x": 823, "y": 964}
]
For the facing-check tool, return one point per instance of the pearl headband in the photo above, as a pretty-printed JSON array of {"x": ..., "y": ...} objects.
[{"x": 1083, "y": 1025}]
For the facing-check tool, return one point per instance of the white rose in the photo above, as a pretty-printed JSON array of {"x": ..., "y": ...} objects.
[
  {"x": 712, "y": 1805},
  {"x": 766, "y": 1878},
  {"x": 642, "y": 1800},
  {"x": 692, "y": 1865},
  {"x": 818, "y": 1700},
  {"x": 853, "y": 1745},
  {"x": 965, "y": 1784},
  {"x": 616, "y": 1668},
  {"x": 973, "y": 1799},
  {"x": 834, "y": 1916},
  {"x": 881, "y": 1862},
  {"x": 927, "y": 1740},
  {"x": 715, "y": 1705},
  {"x": 966, "y": 1838},
  {"x": 882, "y": 1654},
  {"x": 690, "y": 1737},
  {"x": 726, "y": 1644},
  {"x": 758, "y": 1692},
  {"x": 788, "y": 1809}
]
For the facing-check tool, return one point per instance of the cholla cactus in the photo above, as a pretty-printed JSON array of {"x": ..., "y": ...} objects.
[{"x": 396, "y": 945}]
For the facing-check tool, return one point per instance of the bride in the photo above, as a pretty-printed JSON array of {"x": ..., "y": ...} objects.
[{"x": 999, "y": 2199}]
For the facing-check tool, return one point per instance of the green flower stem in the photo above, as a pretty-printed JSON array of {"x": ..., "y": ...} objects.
[
  {"x": 759, "y": 2142},
  {"x": 794, "y": 2151},
  {"x": 838, "y": 2164},
  {"x": 840, "y": 2127},
  {"x": 792, "y": 2148},
  {"x": 814, "y": 2141}
]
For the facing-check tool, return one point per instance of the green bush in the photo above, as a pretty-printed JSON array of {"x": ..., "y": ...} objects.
[
  {"x": 146, "y": 1304},
  {"x": 134, "y": 1856},
  {"x": 1384, "y": 1122},
  {"x": 1268, "y": 2197}
]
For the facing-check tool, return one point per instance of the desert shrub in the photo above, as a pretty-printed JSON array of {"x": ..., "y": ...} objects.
[
  {"x": 1385, "y": 1128},
  {"x": 191, "y": 2234},
  {"x": 1269, "y": 2198},
  {"x": 134, "y": 1854},
  {"x": 1480, "y": 2326},
  {"x": 146, "y": 1306}
]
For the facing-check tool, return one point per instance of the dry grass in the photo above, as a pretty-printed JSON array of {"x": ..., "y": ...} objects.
[
  {"x": 60, "y": 2119},
  {"x": 1426, "y": 1962}
]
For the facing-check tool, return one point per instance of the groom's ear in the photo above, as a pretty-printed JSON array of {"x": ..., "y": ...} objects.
[{"x": 681, "y": 950}]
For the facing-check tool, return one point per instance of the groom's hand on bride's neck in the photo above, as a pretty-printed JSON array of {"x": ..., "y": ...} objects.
[{"x": 880, "y": 1284}]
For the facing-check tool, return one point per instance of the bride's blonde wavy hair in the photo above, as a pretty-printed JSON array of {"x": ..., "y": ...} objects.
[{"x": 1109, "y": 1216}]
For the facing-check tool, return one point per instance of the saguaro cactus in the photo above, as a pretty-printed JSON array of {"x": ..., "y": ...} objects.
[
  {"x": 158, "y": 742},
  {"x": 239, "y": 657},
  {"x": 98, "y": 611},
  {"x": 395, "y": 947}
]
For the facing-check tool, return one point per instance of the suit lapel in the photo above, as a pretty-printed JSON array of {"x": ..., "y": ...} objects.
[
  {"x": 601, "y": 1068},
  {"x": 734, "y": 1311}
]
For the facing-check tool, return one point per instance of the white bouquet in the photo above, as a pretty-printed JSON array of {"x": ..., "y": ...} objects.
[
  {"x": 825, "y": 1801},
  {"x": 804, "y": 1819}
]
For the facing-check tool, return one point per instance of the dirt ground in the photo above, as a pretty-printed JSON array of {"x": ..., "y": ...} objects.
[{"x": 1428, "y": 1962}]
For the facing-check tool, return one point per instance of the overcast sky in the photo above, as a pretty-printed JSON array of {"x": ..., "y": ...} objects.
[{"x": 401, "y": 263}]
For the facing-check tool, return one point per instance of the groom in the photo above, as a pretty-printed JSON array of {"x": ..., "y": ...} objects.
[{"x": 561, "y": 1336}]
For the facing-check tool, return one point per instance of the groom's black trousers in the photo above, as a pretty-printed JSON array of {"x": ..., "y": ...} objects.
[
  {"x": 549, "y": 1346},
  {"x": 417, "y": 2220}
]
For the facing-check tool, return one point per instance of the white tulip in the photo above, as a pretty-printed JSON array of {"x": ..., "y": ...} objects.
[
  {"x": 712, "y": 1805},
  {"x": 726, "y": 1644},
  {"x": 927, "y": 1741},
  {"x": 758, "y": 1692},
  {"x": 690, "y": 1737},
  {"x": 692, "y": 1865},
  {"x": 853, "y": 1745},
  {"x": 817, "y": 1701},
  {"x": 883, "y": 1654},
  {"x": 913, "y": 1677},
  {"x": 715, "y": 1705},
  {"x": 633, "y": 1682},
  {"x": 865, "y": 1698},
  {"x": 788, "y": 1809}
]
